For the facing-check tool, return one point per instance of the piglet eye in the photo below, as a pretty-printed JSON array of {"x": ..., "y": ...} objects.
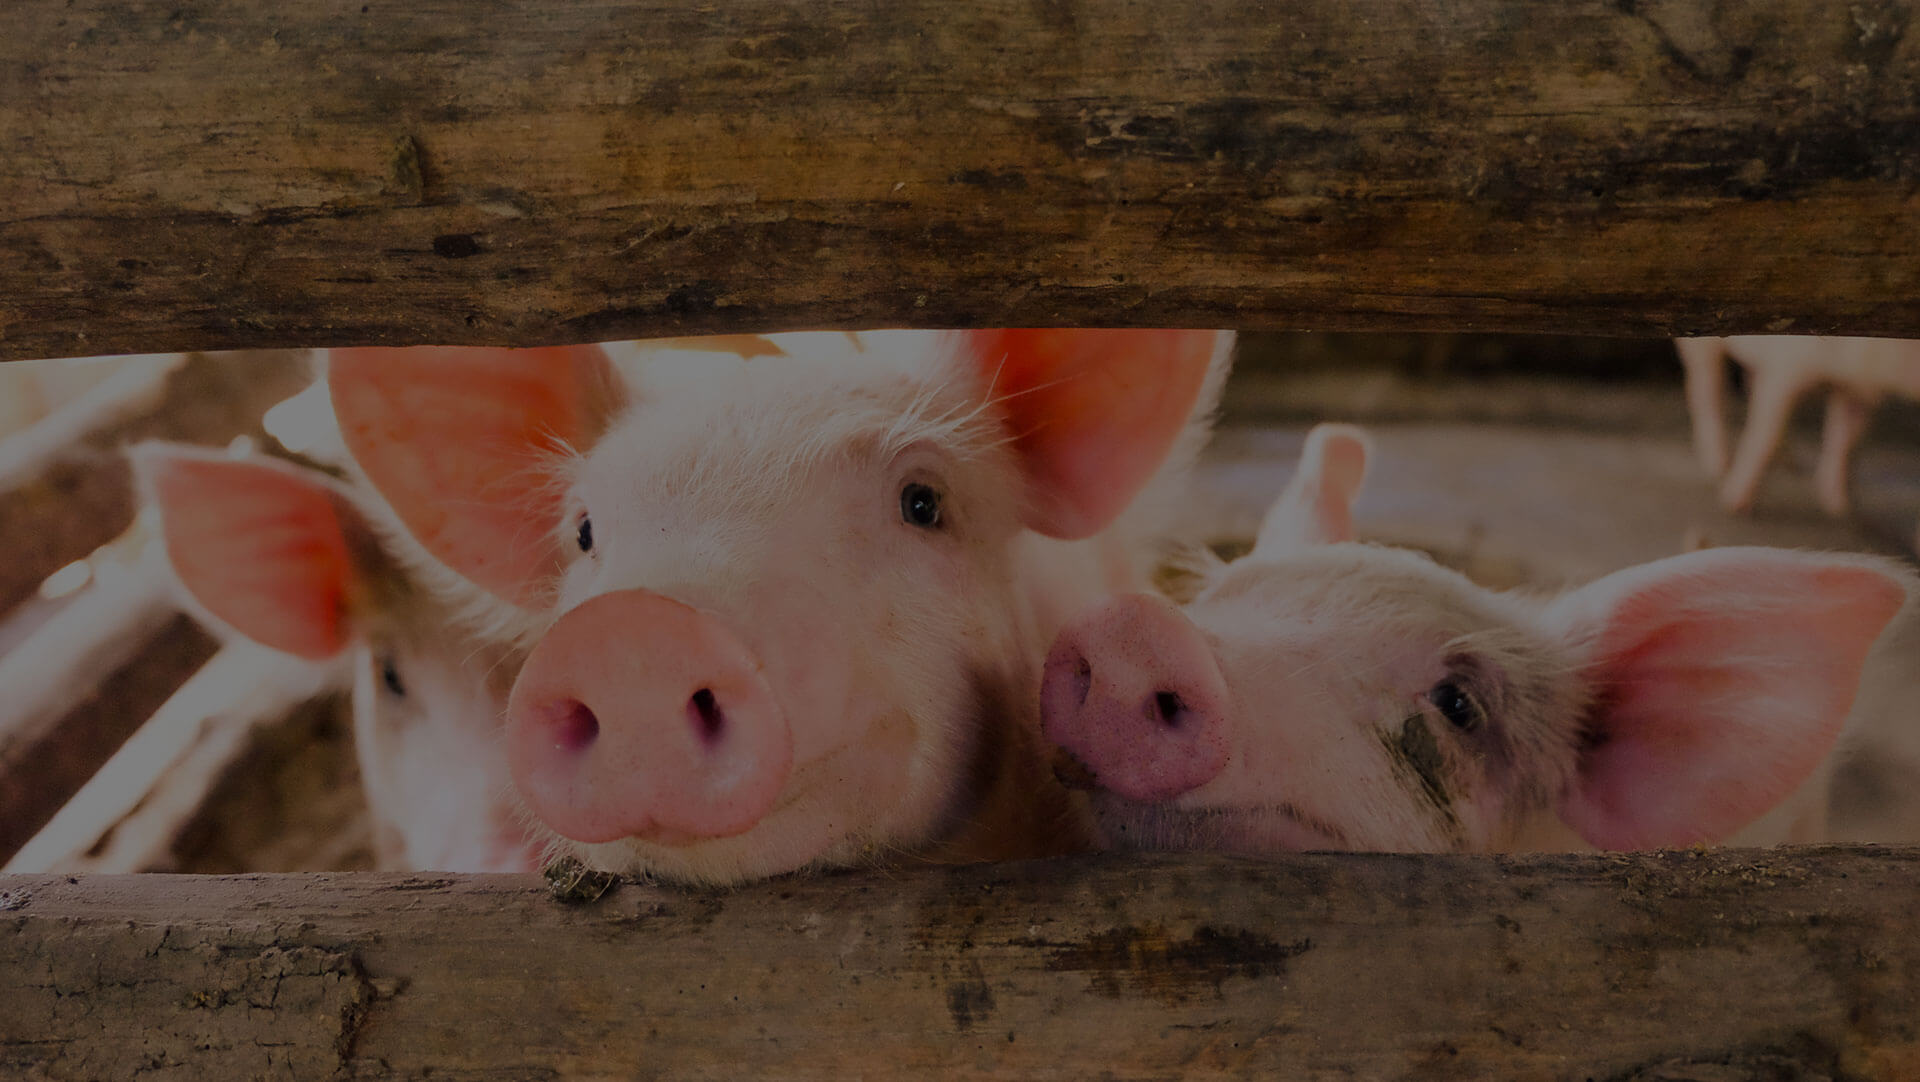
[
  {"x": 585, "y": 534},
  {"x": 390, "y": 675},
  {"x": 1455, "y": 705},
  {"x": 920, "y": 506}
]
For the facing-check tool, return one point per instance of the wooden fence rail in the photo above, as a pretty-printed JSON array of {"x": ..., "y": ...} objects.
[
  {"x": 247, "y": 173},
  {"x": 1722, "y": 965}
]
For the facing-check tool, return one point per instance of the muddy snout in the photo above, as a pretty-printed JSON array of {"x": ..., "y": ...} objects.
[
  {"x": 1133, "y": 701},
  {"x": 639, "y": 716}
]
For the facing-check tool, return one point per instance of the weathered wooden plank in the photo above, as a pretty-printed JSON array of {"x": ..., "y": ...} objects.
[
  {"x": 79, "y": 687},
  {"x": 289, "y": 799},
  {"x": 42, "y": 768},
  {"x": 1723, "y": 965},
  {"x": 236, "y": 173},
  {"x": 145, "y": 793},
  {"x": 134, "y": 387}
]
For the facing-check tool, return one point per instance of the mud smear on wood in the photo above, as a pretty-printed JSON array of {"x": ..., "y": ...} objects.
[
  {"x": 571, "y": 882},
  {"x": 1148, "y": 960}
]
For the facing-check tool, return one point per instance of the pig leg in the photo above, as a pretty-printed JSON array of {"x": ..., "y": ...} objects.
[
  {"x": 1705, "y": 363},
  {"x": 1768, "y": 407},
  {"x": 1847, "y": 417}
]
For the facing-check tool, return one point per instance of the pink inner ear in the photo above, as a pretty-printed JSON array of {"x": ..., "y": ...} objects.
[
  {"x": 1093, "y": 413},
  {"x": 748, "y": 346},
  {"x": 460, "y": 442},
  {"x": 1724, "y": 680},
  {"x": 259, "y": 546},
  {"x": 1316, "y": 508}
]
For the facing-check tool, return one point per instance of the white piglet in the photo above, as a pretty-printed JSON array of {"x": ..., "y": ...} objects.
[
  {"x": 1857, "y": 373},
  {"x": 787, "y": 611},
  {"x": 289, "y": 559},
  {"x": 1324, "y": 694}
]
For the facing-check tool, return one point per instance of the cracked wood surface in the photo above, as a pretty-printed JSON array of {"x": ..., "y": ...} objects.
[
  {"x": 1779, "y": 964},
  {"x": 237, "y": 173}
]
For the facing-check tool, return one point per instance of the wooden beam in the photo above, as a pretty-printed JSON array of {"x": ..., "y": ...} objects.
[
  {"x": 288, "y": 799},
  {"x": 134, "y": 388},
  {"x": 139, "y": 800},
  {"x": 235, "y": 173},
  {"x": 73, "y": 692},
  {"x": 1681, "y": 965}
]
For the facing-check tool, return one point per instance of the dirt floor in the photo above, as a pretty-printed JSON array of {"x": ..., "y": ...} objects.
[{"x": 1516, "y": 505}]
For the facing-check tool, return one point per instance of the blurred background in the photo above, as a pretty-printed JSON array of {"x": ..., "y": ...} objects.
[{"x": 132, "y": 738}]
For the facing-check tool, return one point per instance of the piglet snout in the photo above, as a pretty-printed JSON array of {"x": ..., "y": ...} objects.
[
  {"x": 638, "y": 716},
  {"x": 1133, "y": 694}
]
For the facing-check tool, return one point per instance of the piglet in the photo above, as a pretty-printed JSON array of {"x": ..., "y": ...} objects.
[
  {"x": 1325, "y": 694},
  {"x": 289, "y": 559},
  {"x": 1858, "y": 373},
  {"x": 787, "y": 611}
]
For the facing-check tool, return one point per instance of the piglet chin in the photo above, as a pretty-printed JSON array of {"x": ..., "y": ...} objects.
[{"x": 1254, "y": 831}]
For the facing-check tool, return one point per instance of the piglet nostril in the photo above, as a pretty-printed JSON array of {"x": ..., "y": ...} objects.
[
  {"x": 704, "y": 711},
  {"x": 1152, "y": 725},
  {"x": 574, "y": 726},
  {"x": 1082, "y": 679}
]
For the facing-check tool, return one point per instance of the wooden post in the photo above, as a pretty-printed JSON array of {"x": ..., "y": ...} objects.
[
  {"x": 233, "y": 173},
  {"x": 1692, "y": 965}
]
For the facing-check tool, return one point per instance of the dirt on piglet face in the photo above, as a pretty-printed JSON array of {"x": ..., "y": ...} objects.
[{"x": 1379, "y": 702}]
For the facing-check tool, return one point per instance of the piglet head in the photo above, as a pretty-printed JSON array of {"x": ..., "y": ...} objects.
[
  {"x": 1367, "y": 698},
  {"x": 1288, "y": 706},
  {"x": 772, "y": 609},
  {"x": 285, "y": 557},
  {"x": 428, "y": 727}
]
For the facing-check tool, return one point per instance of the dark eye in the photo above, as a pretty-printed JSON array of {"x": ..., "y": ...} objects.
[
  {"x": 1455, "y": 705},
  {"x": 390, "y": 676},
  {"x": 585, "y": 535},
  {"x": 920, "y": 506}
]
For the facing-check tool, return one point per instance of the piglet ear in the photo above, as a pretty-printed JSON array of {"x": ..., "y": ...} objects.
[
  {"x": 1316, "y": 508},
  {"x": 262, "y": 547},
  {"x": 1721, "y": 681},
  {"x": 747, "y": 346},
  {"x": 1093, "y": 413},
  {"x": 460, "y": 442}
]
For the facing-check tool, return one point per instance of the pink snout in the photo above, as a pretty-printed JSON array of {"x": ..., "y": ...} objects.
[
  {"x": 1132, "y": 691},
  {"x": 638, "y": 716}
]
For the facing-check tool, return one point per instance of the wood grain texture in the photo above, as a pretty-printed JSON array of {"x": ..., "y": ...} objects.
[
  {"x": 1685, "y": 965},
  {"x": 227, "y": 173},
  {"x": 44, "y": 762}
]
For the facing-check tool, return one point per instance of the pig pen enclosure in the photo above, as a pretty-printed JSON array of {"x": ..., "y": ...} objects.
[{"x": 260, "y": 180}]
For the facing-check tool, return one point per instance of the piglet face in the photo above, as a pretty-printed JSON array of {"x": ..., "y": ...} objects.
[
  {"x": 836, "y": 573},
  {"x": 1371, "y": 700},
  {"x": 1376, "y": 701},
  {"x": 780, "y": 612},
  {"x": 429, "y": 734},
  {"x": 287, "y": 558}
]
